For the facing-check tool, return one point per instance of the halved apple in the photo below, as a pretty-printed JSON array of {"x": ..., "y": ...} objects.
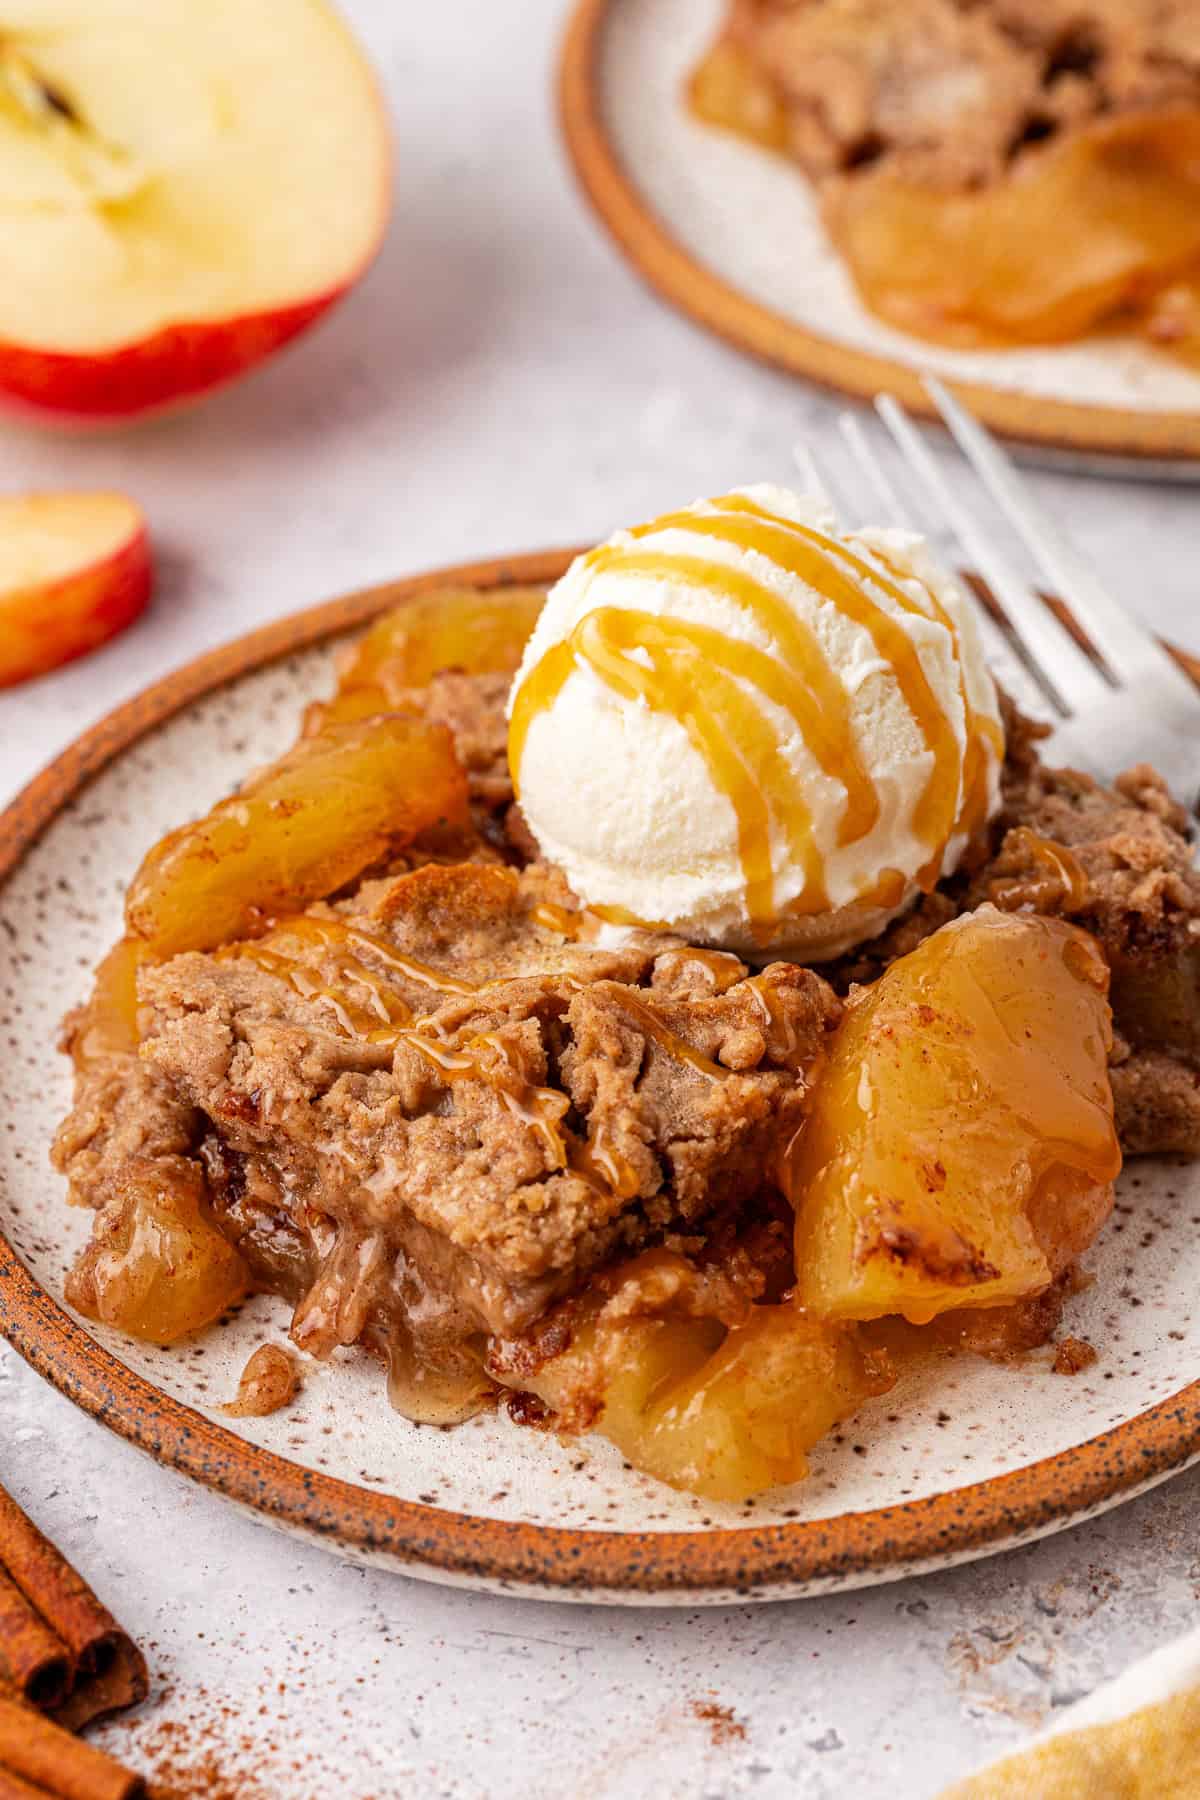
[
  {"x": 183, "y": 188},
  {"x": 74, "y": 570}
]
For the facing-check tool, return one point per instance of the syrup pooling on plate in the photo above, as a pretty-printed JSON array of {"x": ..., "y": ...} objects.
[{"x": 746, "y": 691}]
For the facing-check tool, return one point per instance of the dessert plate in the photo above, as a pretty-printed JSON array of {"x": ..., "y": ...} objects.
[
  {"x": 962, "y": 1458},
  {"x": 731, "y": 235}
]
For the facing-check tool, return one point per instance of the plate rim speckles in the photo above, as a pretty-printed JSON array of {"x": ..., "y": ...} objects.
[
  {"x": 637, "y": 1567},
  {"x": 1090, "y": 437}
]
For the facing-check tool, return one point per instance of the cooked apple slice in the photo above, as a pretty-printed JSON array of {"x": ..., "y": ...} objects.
[
  {"x": 107, "y": 1026},
  {"x": 1172, "y": 318},
  {"x": 728, "y": 90},
  {"x": 960, "y": 1150},
  {"x": 74, "y": 570},
  {"x": 295, "y": 832},
  {"x": 1098, "y": 221},
  {"x": 721, "y": 1410},
  {"x": 156, "y": 1266},
  {"x": 478, "y": 630},
  {"x": 183, "y": 188}
]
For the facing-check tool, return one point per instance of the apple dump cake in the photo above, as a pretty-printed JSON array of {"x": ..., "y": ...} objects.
[
  {"x": 992, "y": 171},
  {"x": 665, "y": 1008}
]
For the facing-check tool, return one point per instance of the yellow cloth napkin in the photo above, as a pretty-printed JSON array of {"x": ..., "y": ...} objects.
[{"x": 1136, "y": 1738}]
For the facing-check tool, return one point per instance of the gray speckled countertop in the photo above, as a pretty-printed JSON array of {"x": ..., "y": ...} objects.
[{"x": 501, "y": 382}]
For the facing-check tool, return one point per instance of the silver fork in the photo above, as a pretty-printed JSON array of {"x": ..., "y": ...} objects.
[{"x": 1118, "y": 700}]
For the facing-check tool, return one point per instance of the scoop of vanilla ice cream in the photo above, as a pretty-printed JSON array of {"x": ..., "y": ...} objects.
[{"x": 754, "y": 728}]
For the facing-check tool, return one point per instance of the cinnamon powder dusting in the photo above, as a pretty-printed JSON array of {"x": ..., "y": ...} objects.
[
  {"x": 724, "y": 1726},
  {"x": 202, "y": 1756}
]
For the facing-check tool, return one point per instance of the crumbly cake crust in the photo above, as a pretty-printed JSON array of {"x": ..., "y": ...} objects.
[
  {"x": 374, "y": 1136},
  {"x": 951, "y": 92}
]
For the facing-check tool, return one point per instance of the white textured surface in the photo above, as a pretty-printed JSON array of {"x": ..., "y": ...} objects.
[{"x": 500, "y": 355}]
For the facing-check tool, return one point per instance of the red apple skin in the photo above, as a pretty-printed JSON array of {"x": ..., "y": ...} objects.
[
  {"x": 178, "y": 364},
  {"x": 41, "y": 628},
  {"x": 81, "y": 390}
]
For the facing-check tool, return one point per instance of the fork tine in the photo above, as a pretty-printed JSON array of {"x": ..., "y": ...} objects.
[
  {"x": 1001, "y": 651},
  {"x": 811, "y": 474},
  {"x": 863, "y": 454},
  {"x": 1071, "y": 680},
  {"x": 1119, "y": 638}
]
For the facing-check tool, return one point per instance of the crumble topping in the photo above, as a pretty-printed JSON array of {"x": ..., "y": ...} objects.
[{"x": 949, "y": 92}]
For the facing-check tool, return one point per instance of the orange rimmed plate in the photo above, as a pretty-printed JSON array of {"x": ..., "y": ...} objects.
[
  {"x": 730, "y": 234},
  {"x": 962, "y": 1459}
]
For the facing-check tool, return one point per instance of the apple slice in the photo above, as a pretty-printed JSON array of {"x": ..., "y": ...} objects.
[
  {"x": 74, "y": 570},
  {"x": 183, "y": 188}
]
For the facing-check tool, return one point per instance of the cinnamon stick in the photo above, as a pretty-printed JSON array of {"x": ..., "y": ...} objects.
[
  {"x": 34, "y": 1750},
  {"x": 104, "y": 1668},
  {"x": 34, "y": 1663},
  {"x": 13, "y": 1788}
]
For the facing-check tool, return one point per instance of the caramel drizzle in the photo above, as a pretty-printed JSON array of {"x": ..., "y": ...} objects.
[
  {"x": 822, "y": 562},
  {"x": 983, "y": 732},
  {"x": 560, "y": 919},
  {"x": 387, "y": 1021},
  {"x": 539, "y": 1108},
  {"x": 696, "y": 675},
  {"x": 597, "y": 1161},
  {"x": 888, "y": 891},
  {"x": 804, "y": 685},
  {"x": 722, "y": 967},
  {"x": 671, "y": 1042},
  {"x": 602, "y": 1166},
  {"x": 1065, "y": 882},
  {"x": 687, "y": 676},
  {"x": 621, "y": 915},
  {"x": 385, "y": 1014},
  {"x": 784, "y": 1044}
]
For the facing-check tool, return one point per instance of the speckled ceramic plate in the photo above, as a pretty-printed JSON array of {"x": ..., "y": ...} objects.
[
  {"x": 730, "y": 233},
  {"x": 960, "y": 1459}
]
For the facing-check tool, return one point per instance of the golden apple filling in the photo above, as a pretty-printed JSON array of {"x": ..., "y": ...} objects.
[{"x": 361, "y": 1048}]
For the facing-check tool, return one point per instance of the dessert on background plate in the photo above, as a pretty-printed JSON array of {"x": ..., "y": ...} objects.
[
  {"x": 691, "y": 1149},
  {"x": 992, "y": 171}
]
